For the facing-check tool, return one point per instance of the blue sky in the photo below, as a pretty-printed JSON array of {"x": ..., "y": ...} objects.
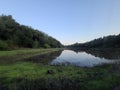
[{"x": 69, "y": 21}]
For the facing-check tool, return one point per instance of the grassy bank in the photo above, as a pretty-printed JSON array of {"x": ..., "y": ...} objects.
[
  {"x": 24, "y": 75},
  {"x": 26, "y": 51},
  {"x": 31, "y": 76},
  {"x": 20, "y": 55}
]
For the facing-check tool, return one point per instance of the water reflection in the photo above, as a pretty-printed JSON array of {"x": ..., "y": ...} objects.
[
  {"x": 102, "y": 53},
  {"x": 87, "y": 58},
  {"x": 45, "y": 58}
]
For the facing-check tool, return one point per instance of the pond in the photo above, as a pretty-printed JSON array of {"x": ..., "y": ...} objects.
[{"x": 88, "y": 58}]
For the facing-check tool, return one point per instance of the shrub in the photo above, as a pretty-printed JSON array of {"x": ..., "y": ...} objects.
[
  {"x": 46, "y": 46},
  {"x": 3, "y": 45}
]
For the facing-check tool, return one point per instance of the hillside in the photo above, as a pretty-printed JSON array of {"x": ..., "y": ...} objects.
[
  {"x": 112, "y": 41},
  {"x": 15, "y": 36}
]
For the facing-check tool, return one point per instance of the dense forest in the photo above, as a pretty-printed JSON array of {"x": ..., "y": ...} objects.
[
  {"x": 112, "y": 41},
  {"x": 14, "y": 36}
]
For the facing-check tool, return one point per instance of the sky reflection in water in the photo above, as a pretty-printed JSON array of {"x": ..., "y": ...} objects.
[{"x": 82, "y": 59}]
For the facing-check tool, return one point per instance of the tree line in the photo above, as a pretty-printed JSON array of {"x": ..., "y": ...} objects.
[
  {"x": 14, "y": 36},
  {"x": 111, "y": 41}
]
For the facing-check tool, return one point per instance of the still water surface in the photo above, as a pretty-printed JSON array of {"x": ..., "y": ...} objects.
[{"x": 86, "y": 58}]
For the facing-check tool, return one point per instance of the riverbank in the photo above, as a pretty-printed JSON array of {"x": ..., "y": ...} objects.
[
  {"x": 25, "y": 75},
  {"x": 7, "y": 57}
]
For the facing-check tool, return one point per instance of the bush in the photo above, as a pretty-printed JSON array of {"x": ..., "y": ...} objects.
[
  {"x": 3, "y": 45},
  {"x": 46, "y": 46}
]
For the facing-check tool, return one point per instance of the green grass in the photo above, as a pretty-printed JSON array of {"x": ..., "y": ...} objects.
[
  {"x": 34, "y": 76},
  {"x": 25, "y": 51},
  {"x": 19, "y": 55},
  {"x": 86, "y": 78}
]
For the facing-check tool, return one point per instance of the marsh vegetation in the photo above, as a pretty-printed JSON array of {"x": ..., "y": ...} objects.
[{"x": 36, "y": 73}]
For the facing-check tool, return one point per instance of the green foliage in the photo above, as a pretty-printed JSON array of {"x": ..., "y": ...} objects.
[
  {"x": 112, "y": 41},
  {"x": 35, "y": 44},
  {"x": 3, "y": 45},
  {"x": 46, "y": 46},
  {"x": 18, "y": 36}
]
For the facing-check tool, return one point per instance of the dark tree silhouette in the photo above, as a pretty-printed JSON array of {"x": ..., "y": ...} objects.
[{"x": 112, "y": 41}]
